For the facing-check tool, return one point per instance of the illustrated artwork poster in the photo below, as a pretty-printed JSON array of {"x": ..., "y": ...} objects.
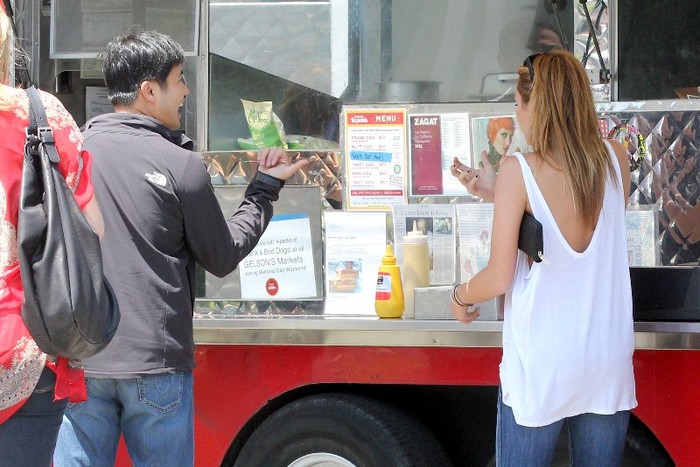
[{"x": 496, "y": 137}]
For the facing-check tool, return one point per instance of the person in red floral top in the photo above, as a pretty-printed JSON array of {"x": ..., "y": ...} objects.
[{"x": 34, "y": 387}]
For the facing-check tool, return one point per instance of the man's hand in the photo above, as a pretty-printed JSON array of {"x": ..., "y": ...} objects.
[
  {"x": 277, "y": 163},
  {"x": 479, "y": 183}
]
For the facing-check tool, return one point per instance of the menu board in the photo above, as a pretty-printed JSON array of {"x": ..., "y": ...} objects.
[{"x": 375, "y": 158}]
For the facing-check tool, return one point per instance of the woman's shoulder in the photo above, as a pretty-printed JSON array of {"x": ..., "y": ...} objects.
[
  {"x": 510, "y": 169},
  {"x": 512, "y": 162},
  {"x": 18, "y": 100},
  {"x": 619, "y": 151},
  {"x": 14, "y": 100},
  {"x": 56, "y": 110},
  {"x": 616, "y": 145}
]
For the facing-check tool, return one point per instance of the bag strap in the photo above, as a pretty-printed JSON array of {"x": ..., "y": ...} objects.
[{"x": 38, "y": 125}]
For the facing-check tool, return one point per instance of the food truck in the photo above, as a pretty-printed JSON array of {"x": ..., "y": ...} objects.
[{"x": 294, "y": 368}]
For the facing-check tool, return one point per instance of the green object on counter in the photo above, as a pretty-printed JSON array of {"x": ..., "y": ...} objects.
[{"x": 265, "y": 127}]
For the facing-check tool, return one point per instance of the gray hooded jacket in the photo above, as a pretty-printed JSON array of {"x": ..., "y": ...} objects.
[{"x": 161, "y": 217}]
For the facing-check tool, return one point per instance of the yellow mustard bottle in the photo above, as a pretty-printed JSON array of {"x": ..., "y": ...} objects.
[{"x": 388, "y": 300}]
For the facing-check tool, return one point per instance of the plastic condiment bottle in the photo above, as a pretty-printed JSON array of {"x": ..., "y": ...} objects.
[
  {"x": 416, "y": 266},
  {"x": 388, "y": 300}
]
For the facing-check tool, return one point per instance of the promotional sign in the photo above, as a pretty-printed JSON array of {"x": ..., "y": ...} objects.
[
  {"x": 426, "y": 155},
  {"x": 436, "y": 139},
  {"x": 281, "y": 265}
]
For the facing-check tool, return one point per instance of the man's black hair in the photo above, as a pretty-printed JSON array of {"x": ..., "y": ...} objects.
[{"x": 135, "y": 57}]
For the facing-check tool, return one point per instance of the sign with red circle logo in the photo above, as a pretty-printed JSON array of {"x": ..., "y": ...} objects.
[{"x": 272, "y": 287}]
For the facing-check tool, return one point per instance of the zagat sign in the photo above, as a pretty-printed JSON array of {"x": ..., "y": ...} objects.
[{"x": 421, "y": 121}]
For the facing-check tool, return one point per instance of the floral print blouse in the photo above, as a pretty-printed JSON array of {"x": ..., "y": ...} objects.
[{"x": 21, "y": 361}]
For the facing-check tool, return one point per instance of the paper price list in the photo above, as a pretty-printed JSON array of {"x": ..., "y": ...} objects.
[
  {"x": 376, "y": 147},
  {"x": 370, "y": 168}
]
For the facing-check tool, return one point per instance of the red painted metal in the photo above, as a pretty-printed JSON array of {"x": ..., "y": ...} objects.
[{"x": 232, "y": 383}]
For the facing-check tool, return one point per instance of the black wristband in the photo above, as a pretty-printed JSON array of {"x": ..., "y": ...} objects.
[
  {"x": 457, "y": 301},
  {"x": 268, "y": 179}
]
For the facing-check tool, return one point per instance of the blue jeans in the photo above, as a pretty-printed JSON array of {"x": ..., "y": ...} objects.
[
  {"x": 594, "y": 440},
  {"x": 155, "y": 414},
  {"x": 28, "y": 437}
]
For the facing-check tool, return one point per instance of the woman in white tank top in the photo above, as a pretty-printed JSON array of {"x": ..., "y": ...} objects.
[{"x": 568, "y": 333}]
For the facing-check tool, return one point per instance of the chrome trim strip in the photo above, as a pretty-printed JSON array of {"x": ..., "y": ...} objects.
[{"x": 403, "y": 333}]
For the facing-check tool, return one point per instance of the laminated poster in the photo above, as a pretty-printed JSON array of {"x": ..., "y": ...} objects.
[
  {"x": 437, "y": 222},
  {"x": 375, "y": 158},
  {"x": 497, "y": 137},
  {"x": 96, "y": 102},
  {"x": 641, "y": 237},
  {"x": 355, "y": 244},
  {"x": 281, "y": 266},
  {"x": 426, "y": 155},
  {"x": 474, "y": 222},
  {"x": 436, "y": 139}
]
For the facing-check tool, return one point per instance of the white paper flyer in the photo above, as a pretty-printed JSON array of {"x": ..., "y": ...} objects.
[
  {"x": 355, "y": 244},
  {"x": 281, "y": 266},
  {"x": 455, "y": 143}
]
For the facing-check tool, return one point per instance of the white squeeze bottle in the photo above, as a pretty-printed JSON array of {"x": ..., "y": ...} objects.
[{"x": 416, "y": 267}]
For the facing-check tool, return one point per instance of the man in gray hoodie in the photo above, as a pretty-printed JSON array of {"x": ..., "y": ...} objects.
[{"x": 161, "y": 217}]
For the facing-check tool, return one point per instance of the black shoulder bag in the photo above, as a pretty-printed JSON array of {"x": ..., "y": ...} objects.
[
  {"x": 69, "y": 307},
  {"x": 530, "y": 238}
]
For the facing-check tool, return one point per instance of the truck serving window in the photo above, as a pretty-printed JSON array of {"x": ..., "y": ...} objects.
[
  {"x": 365, "y": 51},
  {"x": 659, "y": 49}
]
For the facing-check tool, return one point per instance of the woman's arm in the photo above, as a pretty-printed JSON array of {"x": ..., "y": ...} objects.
[
  {"x": 624, "y": 167},
  {"x": 94, "y": 217},
  {"x": 496, "y": 278},
  {"x": 480, "y": 182},
  {"x": 69, "y": 143}
]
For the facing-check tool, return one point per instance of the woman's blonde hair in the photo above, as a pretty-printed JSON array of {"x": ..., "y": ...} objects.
[
  {"x": 564, "y": 127},
  {"x": 6, "y": 41}
]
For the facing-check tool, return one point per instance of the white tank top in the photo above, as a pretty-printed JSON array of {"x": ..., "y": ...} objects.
[{"x": 568, "y": 333}]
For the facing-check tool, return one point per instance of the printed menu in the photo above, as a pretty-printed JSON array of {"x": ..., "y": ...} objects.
[{"x": 375, "y": 158}]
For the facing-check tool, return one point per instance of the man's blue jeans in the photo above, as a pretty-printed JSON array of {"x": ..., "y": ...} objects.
[
  {"x": 154, "y": 413},
  {"x": 28, "y": 437},
  {"x": 594, "y": 440}
]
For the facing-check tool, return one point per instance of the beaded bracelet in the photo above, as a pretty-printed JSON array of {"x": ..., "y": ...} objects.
[{"x": 457, "y": 301}]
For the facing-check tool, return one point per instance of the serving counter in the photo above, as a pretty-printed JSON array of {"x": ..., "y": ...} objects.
[{"x": 367, "y": 331}]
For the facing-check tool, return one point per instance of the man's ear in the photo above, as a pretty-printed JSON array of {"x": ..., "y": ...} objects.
[{"x": 147, "y": 91}]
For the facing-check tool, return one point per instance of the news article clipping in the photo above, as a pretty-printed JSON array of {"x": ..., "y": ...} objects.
[{"x": 437, "y": 222}]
